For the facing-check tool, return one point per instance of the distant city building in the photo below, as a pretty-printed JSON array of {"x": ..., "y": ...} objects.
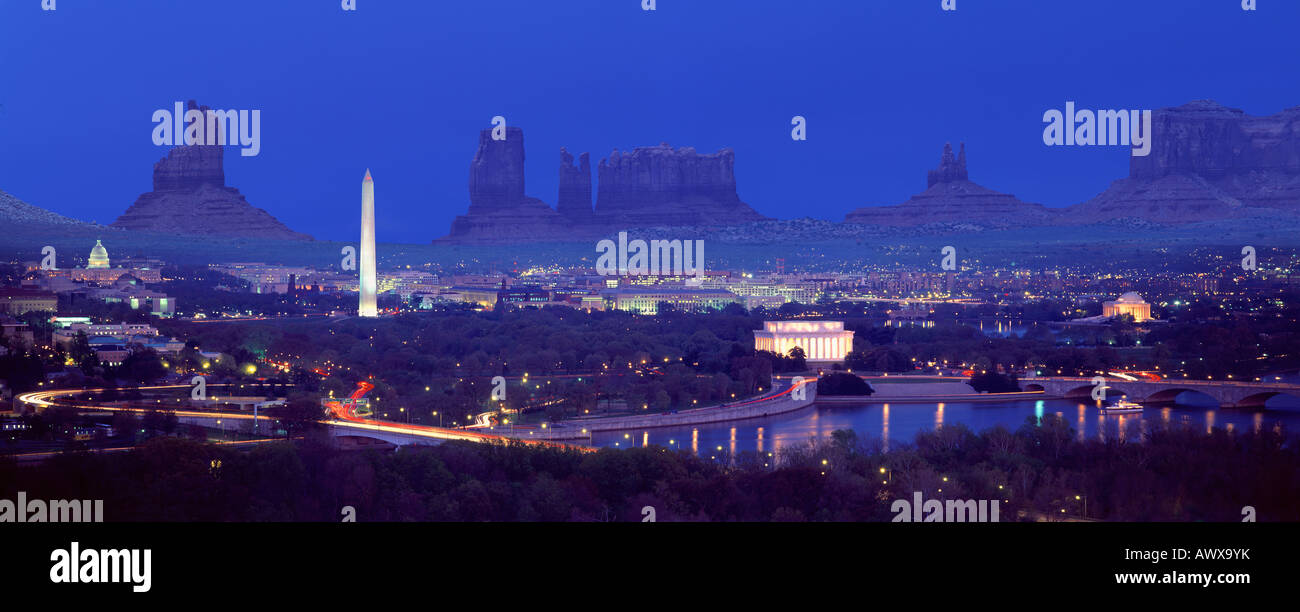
[
  {"x": 798, "y": 291},
  {"x": 110, "y": 354},
  {"x": 66, "y": 322},
  {"x": 820, "y": 340},
  {"x": 16, "y": 331},
  {"x": 263, "y": 278},
  {"x": 1128, "y": 304},
  {"x": 18, "y": 301},
  {"x": 406, "y": 283},
  {"x": 646, "y": 300},
  {"x": 121, "y": 332},
  {"x": 481, "y": 296},
  {"x": 99, "y": 270},
  {"x": 481, "y": 280},
  {"x": 113, "y": 342},
  {"x": 772, "y": 302},
  {"x": 129, "y": 290}
]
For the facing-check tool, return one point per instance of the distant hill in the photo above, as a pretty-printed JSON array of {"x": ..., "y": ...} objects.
[
  {"x": 951, "y": 197},
  {"x": 15, "y": 211}
]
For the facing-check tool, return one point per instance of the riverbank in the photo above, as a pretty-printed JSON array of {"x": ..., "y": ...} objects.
[
  {"x": 930, "y": 399},
  {"x": 779, "y": 402}
]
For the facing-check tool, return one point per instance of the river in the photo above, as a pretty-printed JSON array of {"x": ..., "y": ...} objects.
[{"x": 897, "y": 423}]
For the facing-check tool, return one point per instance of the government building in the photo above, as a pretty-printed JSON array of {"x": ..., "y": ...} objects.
[
  {"x": 1131, "y": 304},
  {"x": 820, "y": 340},
  {"x": 99, "y": 270},
  {"x": 646, "y": 300}
]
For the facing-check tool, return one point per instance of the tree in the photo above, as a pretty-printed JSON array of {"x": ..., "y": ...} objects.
[
  {"x": 142, "y": 367},
  {"x": 80, "y": 352},
  {"x": 993, "y": 382},
  {"x": 297, "y": 415},
  {"x": 843, "y": 383},
  {"x": 799, "y": 359},
  {"x": 152, "y": 422}
]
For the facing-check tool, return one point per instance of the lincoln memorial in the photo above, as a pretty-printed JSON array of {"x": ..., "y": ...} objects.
[{"x": 820, "y": 340}]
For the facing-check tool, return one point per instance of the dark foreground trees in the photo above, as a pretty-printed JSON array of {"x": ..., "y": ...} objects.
[{"x": 1038, "y": 470}]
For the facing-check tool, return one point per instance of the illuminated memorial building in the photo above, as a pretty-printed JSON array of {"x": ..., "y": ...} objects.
[
  {"x": 1131, "y": 304},
  {"x": 99, "y": 270},
  {"x": 820, "y": 340}
]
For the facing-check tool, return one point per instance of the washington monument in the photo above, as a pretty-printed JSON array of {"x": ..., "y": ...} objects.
[{"x": 367, "y": 307}]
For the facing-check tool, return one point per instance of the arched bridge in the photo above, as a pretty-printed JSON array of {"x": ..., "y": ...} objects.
[{"x": 1229, "y": 394}]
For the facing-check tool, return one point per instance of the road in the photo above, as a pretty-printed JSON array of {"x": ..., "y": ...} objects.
[{"x": 347, "y": 422}]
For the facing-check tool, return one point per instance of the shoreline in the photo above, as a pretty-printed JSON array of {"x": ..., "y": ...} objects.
[
  {"x": 770, "y": 406},
  {"x": 928, "y": 399}
]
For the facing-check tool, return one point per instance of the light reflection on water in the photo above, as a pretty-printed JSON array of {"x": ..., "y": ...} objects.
[{"x": 895, "y": 422}]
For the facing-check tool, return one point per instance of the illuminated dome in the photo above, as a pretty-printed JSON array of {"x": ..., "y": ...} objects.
[
  {"x": 98, "y": 257},
  {"x": 1128, "y": 304}
]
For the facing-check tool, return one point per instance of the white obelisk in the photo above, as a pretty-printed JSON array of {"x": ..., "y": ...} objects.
[{"x": 368, "y": 285}]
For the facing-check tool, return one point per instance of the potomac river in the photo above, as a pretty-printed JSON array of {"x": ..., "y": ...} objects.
[{"x": 895, "y": 423}]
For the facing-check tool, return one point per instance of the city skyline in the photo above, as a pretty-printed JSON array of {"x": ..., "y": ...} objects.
[{"x": 859, "y": 262}]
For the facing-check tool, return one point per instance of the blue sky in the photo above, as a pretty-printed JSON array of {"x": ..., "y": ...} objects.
[{"x": 402, "y": 87}]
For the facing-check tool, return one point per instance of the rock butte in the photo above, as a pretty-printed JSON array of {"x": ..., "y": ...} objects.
[
  {"x": 1207, "y": 162},
  {"x": 647, "y": 187},
  {"x": 950, "y": 197},
  {"x": 190, "y": 196}
]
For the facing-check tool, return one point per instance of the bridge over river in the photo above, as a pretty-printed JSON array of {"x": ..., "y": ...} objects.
[{"x": 1229, "y": 394}]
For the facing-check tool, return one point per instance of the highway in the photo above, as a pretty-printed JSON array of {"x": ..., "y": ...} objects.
[{"x": 346, "y": 421}]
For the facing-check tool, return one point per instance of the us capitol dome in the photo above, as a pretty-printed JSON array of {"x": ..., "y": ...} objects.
[{"x": 98, "y": 257}]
